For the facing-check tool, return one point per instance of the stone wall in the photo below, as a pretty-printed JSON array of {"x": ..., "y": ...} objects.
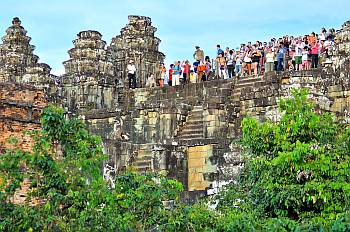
[{"x": 185, "y": 131}]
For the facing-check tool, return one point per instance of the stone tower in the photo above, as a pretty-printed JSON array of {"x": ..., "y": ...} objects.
[
  {"x": 17, "y": 62},
  {"x": 88, "y": 82},
  {"x": 88, "y": 85},
  {"x": 136, "y": 42},
  {"x": 26, "y": 86}
]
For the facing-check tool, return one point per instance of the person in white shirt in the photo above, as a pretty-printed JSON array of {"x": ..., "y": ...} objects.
[
  {"x": 328, "y": 45},
  {"x": 270, "y": 59},
  {"x": 298, "y": 56},
  {"x": 151, "y": 81},
  {"x": 131, "y": 69}
]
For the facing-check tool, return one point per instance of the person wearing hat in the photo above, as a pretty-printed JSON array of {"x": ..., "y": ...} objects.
[
  {"x": 131, "y": 69},
  {"x": 198, "y": 54}
]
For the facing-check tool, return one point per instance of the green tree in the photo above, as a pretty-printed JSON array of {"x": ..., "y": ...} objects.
[
  {"x": 64, "y": 170},
  {"x": 297, "y": 170}
]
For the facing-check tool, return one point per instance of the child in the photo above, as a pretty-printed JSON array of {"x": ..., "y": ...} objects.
[
  {"x": 192, "y": 77},
  {"x": 290, "y": 65},
  {"x": 305, "y": 58},
  {"x": 151, "y": 81}
]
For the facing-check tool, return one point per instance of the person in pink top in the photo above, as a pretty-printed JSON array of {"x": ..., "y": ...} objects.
[{"x": 314, "y": 54}]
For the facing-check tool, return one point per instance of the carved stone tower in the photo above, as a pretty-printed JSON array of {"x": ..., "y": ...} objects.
[
  {"x": 17, "y": 61},
  {"x": 26, "y": 86},
  {"x": 88, "y": 85},
  {"x": 136, "y": 42},
  {"x": 89, "y": 78}
]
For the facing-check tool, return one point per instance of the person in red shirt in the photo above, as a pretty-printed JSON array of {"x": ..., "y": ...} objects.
[
  {"x": 171, "y": 75},
  {"x": 186, "y": 71},
  {"x": 314, "y": 54},
  {"x": 312, "y": 39}
]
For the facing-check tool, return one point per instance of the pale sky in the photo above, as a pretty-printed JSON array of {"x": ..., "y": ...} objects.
[{"x": 181, "y": 24}]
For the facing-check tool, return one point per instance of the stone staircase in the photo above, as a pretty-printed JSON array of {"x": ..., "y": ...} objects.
[
  {"x": 244, "y": 82},
  {"x": 143, "y": 162},
  {"x": 193, "y": 127}
]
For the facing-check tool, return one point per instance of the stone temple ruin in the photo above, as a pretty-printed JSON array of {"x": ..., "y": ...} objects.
[{"x": 184, "y": 131}]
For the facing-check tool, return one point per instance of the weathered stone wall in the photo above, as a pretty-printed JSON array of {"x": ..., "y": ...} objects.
[
  {"x": 20, "y": 108},
  {"x": 184, "y": 131},
  {"x": 187, "y": 130}
]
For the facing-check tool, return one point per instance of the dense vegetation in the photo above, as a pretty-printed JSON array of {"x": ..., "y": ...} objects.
[{"x": 296, "y": 178}]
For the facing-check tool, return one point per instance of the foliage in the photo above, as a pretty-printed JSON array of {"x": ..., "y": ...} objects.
[
  {"x": 297, "y": 169},
  {"x": 64, "y": 170},
  {"x": 296, "y": 178}
]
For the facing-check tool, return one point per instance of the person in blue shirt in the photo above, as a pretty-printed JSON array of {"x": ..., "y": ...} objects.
[
  {"x": 280, "y": 57},
  {"x": 176, "y": 73},
  {"x": 220, "y": 51}
]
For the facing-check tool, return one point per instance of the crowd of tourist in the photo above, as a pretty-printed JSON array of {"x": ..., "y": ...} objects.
[{"x": 287, "y": 53}]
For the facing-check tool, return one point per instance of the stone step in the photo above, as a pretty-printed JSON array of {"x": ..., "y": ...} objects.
[
  {"x": 249, "y": 79},
  {"x": 236, "y": 94},
  {"x": 144, "y": 169},
  {"x": 191, "y": 126},
  {"x": 143, "y": 158},
  {"x": 192, "y": 118},
  {"x": 141, "y": 163},
  {"x": 193, "y": 121},
  {"x": 191, "y": 136},
  {"x": 197, "y": 112},
  {"x": 247, "y": 84},
  {"x": 190, "y": 131}
]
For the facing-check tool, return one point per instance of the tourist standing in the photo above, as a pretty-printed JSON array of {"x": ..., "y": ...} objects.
[
  {"x": 238, "y": 60},
  {"x": 297, "y": 56},
  {"x": 208, "y": 67},
  {"x": 247, "y": 61},
  {"x": 198, "y": 54},
  {"x": 151, "y": 82},
  {"x": 186, "y": 71},
  {"x": 270, "y": 58},
  {"x": 219, "y": 51},
  {"x": 314, "y": 54},
  {"x": 195, "y": 71},
  {"x": 230, "y": 62},
  {"x": 171, "y": 75},
  {"x": 201, "y": 72},
  {"x": 162, "y": 75},
  {"x": 328, "y": 45},
  {"x": 220, "y": 61},
  {"x": 176, "y": 74},
  {"x": 305, "y": 59},
  {"x": 256, "y": 55},
  {"x": 131, "y": 69},
  {"x": 280, "y": 57}
]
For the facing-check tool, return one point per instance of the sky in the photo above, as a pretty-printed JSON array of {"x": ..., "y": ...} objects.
[{"x": 181, "y": 24}]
